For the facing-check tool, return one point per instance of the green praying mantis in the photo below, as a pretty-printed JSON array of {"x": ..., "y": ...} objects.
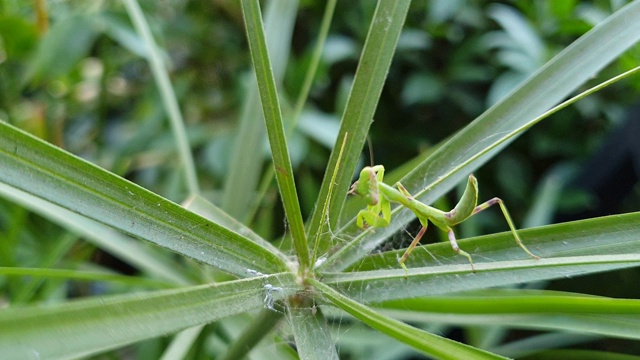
[{"x": 379, "y": 196}]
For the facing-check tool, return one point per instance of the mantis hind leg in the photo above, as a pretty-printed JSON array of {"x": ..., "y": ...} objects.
[{"x": 505, "y": 212}]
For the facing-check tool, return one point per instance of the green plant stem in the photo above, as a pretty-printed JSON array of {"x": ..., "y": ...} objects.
[
  {"x": 169, "y": 100},
  {"x": 241, "y": 180},
  {"x": 371, "y": 74},
  {"x": 301, "y": 100},
  {"x": 275, "y": 128}
]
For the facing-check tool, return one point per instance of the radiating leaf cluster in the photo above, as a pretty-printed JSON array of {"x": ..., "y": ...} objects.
[{"x": 226, "y": 269}]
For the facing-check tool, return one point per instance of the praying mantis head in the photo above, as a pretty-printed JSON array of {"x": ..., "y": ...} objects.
[{"x": 367, "y": 184}]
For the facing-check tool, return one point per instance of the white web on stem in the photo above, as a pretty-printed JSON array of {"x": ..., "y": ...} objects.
[{"x": 268, "y": 298}]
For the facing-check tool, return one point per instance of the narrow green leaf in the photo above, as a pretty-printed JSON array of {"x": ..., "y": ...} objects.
[
  {"x": 575, "y": 354},
  {"x": 430, "y": 344},
  {"x": 166, "y": 91},
  {"x": 617, "y": 325},
  {"x": 52, "y": 174},
  {"x": 498, "y": 126},
  {"x": 525, "y": 309},
  {"x": 371, "y": 74},
  {"x": 292, "y": 122},
  {"x": 81, "y": 328},
  {"x": 275, "y": 128},
  {"x": 537, "y": 344},
  {"x": 381, "y": 285},
  {"x": 511, "y": 301},
  {"x": 83, "y": 276},
  {"x": 247, "y": 156}
]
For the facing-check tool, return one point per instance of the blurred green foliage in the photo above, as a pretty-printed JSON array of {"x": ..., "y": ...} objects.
[{"x": 83, "y": 84}]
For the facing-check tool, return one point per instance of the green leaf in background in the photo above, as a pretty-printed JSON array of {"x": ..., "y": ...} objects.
[
  {"x": 67, "y": 42},
  {"x": 524, "y": 309},
  {"x": 159, "y": 70}
]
